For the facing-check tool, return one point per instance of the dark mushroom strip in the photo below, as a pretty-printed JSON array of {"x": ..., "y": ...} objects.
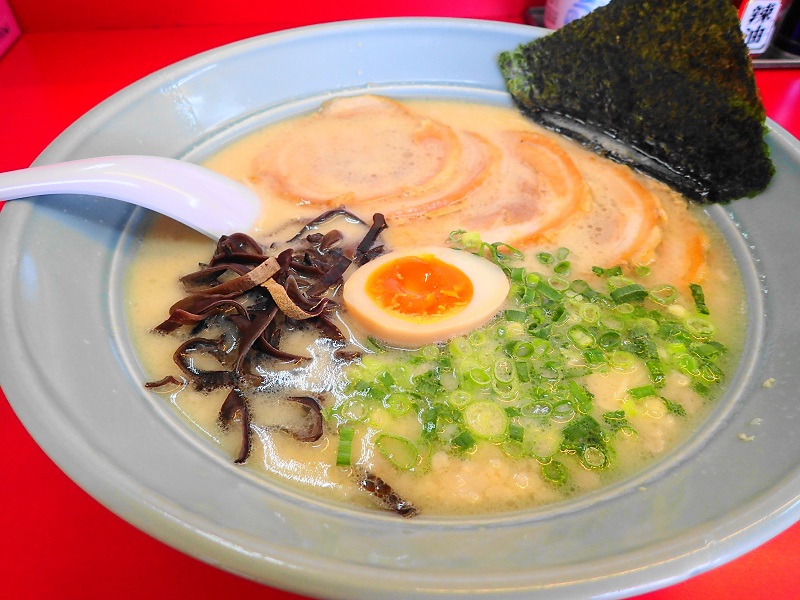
[
  {"x": 370, "y": 254},
  {"x": 265, "y": 297},
  {"x": 378, "y": 225},
  {"x": 297, "y": 296},
  {"x": 168, "y": 380},
  {"x": 267, "y": 346},
  {"x": 203, "y": 380},
  {"x": 346, "y": 355},
  {"x": 312, "y": 430},
  {"x": 267, "y": 342},
  {"x": 327, "y": 328},
  {"x": 237, "y": 242},
  {"x": 330, "y": 239},
  {"x": 201, "y": 305},
  {"x": 334, "y": 275},
  {"x": 324, "y": 218},
  {"x": 240, "y": 258},
  {"x": 288, "y": 307},
  {"x": 211, "y": 273},
  {"x": 384, "y": 494},
  {"x": 187, "y": 318},
  {"x": 235, "y": 404},
  {"x": 253, "y": 334},
  {"x": 307, "y": 268},
  {"x": 248, "y": 281}
]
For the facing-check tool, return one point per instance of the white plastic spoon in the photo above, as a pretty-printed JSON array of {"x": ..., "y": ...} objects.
[{"x": 198, "y": 197}]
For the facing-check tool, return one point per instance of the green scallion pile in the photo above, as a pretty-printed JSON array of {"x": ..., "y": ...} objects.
[{"x": 521, "y": 379}]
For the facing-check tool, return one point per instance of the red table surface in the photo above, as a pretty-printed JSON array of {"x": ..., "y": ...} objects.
[{"x": 58, "y": 542}]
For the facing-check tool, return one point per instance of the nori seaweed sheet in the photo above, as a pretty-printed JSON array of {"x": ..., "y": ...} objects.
[{"x": 666, "y": 86}]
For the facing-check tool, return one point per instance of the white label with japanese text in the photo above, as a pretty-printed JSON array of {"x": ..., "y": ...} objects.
[{"x": 758, "y": 23}]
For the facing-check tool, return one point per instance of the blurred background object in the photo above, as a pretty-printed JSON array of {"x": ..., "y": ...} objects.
[
  {"x": 9, "y": 30},
  {"x": 788, "y": 38},
  {"x": 560, "y": 12}
]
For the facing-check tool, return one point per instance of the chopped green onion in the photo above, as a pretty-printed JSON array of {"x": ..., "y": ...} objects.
[
  {"x": 656, "y": 371},
  {"x": 582, "y": 396},
  {"x": 711, "y": 372},
  {"x": 643, "y": 391},
  {"x": 699, "y": 327},
  {"x": 504, "y": 370},
  {"x": 516, "y": 432},
  {"x": 632, "y": 292},
  {"x": 537, "y": 408},
  {"x": 477, "y": 338},
  {"x": 612, "y": 272},
  {"x": 513, "y": 448},
  {"x": 624, "y": 308},
  {"x": 562, "y": 268},
  {"x": 688, "y": 364},
  {"x": 579, "y": 286},
  {"x": 399, "y": 403},
  {"x": 464, "y": 440},
  {"x": 707, "y": 350},
  {"x": 585, "y": 438},
  {"x": 386, "y": 379},
  {"x": 354, "y": 410},
  {"x": 486, "y": 419},
  {"x": 594, "y": 457},
  {"x": 562, "y": 412},
  {"x": 617, "y": 421},
  {"x": 622, "y": 359},
  {"x": 399, "y": 451},
  {"x": 429, "y": 352},
  {"x": 549, "y": 292},
  {"x": 699, "y": 298},
  {"x": 517, "y": 274},
  {"x": 674, "y": 408},
  {"x": 555, "y": 472},
  {"x": 520, "y": 349},
  {"x": 519, "y": 316},
  {"x": 345, "y": 449},
  {"x": 664, "y": 294},
  {"x": 479, "y": 376},
  {"x": 580, "y": 336},
  {"x": 558, "y": 283},
  {"x": 532, "y": 279},
  {"x": 594, "y": 357},
  {"x": 545, "y": 258},
  {"x": 504, "y": 381},
  {"x": 459, "y": 346},
  {"x": 590, "y": 313},
  {"x": 609, "y": 340}
]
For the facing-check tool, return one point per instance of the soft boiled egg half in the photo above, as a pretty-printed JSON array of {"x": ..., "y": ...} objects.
[{"x": 423, "y": 295}]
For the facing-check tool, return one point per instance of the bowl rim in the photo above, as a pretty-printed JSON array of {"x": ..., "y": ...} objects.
[{"x": 680, "y": 557}]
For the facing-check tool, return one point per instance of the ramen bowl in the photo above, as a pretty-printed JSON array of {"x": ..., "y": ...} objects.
[{"x": 69, "y": 370}]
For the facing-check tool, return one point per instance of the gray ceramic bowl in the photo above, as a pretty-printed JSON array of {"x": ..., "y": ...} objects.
[{"x": 67, "y": 367}]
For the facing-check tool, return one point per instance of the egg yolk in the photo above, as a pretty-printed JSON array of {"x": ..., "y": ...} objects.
[{"x": 420, "y": 287}]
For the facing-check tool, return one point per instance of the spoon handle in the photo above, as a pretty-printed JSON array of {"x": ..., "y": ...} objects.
[{"x": 198, "y": 197}]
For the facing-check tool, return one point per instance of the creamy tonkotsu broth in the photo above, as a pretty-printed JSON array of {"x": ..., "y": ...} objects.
[{"x": 584, "y": 376}]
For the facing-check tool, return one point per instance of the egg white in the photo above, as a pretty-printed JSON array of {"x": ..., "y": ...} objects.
[{"x": 490, "y": 285}]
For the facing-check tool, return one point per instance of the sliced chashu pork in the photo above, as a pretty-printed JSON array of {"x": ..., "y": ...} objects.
[
  {"x": 370, "y": 153},
  {"x": 373, "y": 151}
]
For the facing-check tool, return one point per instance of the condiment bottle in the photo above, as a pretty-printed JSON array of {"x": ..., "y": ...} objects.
[{"x": 759, "y": 20}]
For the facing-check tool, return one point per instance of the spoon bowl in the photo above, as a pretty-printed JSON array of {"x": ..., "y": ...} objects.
[{"x": 204, "y": 200}]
